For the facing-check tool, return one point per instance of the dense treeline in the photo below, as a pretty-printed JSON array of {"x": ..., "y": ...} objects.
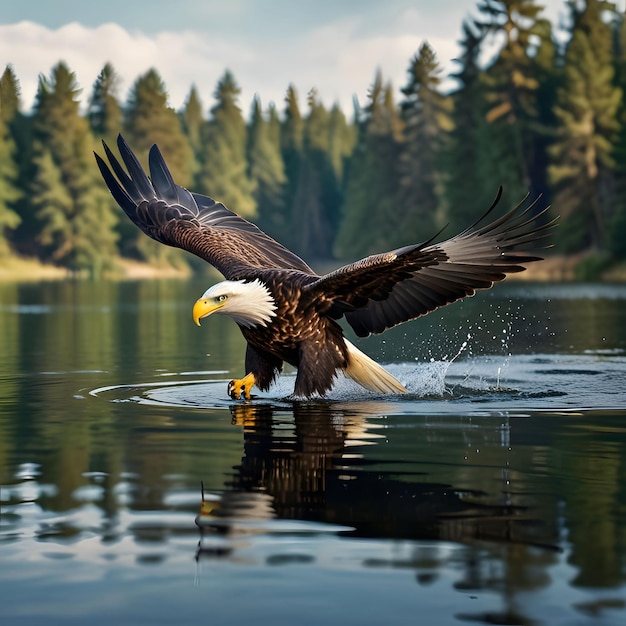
[{"x": 543, "y": 116}]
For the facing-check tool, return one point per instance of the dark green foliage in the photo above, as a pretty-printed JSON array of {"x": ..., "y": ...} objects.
[
  {"x": 224, "y": 173},
  {"x": 54, "y": 206},
  {"x": 267, "y": 173},
  {"x": 291, "y": 145},
  {"x": 104, "y": 113},
  {"x": 548, "y": 70},
  {"x": 587, "y": 116},
  {"x": 369, "y": 223},
  {"x": 105, "y": 118},
  {"x": 467, "y": 192},
  {"x": 9, "y": 95},
  {"x": 426, "y": 115},
  {"x": 9, "y": 192},
  {"x": 509, "y": 142},
  {"x": 617, "y": 234},
  {"x": 150, "y": 120},
  {"x": 72, "y": 207},
  {"x": 317, "y": 199},
  {"x": 539, "y": 116},
  {"x": 273, "y": 127},
  {"x": 193, "y": 124},
  {"x": 617, "y": 217},
  {"x": 342, "y": 138},
  {"x": 16, "y": 163}
]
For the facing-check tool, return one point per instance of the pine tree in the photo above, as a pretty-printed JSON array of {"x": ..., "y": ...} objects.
[
  {"x": 426, "y": 115},
  {"x": 273, "y": 127},
  {"x": 9, "y": 170},
  {"x": 291, "y": 141},
  {"x": 267, "y": 173},
  {"x": 77, "y": 223},
  {"x": 193, "y": 124},
  {"x": 369, "y": 209},
  {"x": 509, "y": 142},
  {"x": 9, "y": 192},
  {"x": 9, "y": 94},
  {"x": 104, "y": 112},
  {"x": 586, "y": 112},
  {"x": 105, "y": 118},
  {"x": 341, "y": 140},
  {"x": 465, "y": 191},
  {"x": 18, "y": 167},
  {"x": 149, "y": 120},
  {"x": 275, "y": 131},
  {"x": 547, "y": 68},
  {"x": 317, "y": 200},
  {"x": 224, "y": 173},
  {"x": 617, "y": 218},
  {"x": 55, "y": 207}
]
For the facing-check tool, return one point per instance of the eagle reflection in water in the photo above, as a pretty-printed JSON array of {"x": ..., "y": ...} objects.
[{"x": 323, "y": 463}]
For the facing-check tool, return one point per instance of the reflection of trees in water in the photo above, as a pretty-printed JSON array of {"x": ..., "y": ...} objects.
[{"x": 300, "y": 465}]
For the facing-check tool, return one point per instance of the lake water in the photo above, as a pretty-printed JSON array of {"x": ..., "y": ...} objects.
[{"x": 494, "y": 493}]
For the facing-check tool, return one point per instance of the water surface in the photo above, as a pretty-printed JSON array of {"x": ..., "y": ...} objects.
[{"x": 495, "y": 492}]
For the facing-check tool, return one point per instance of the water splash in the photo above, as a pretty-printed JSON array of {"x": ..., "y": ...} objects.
[{"x": 423, "y": 380}]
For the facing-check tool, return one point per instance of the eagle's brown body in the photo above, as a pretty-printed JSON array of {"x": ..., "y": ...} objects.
[
  {"x": 300, "y": 326},
  {"x": 300, "y": 335}
]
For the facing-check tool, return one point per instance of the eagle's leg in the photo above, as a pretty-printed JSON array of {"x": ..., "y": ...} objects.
[{"x": 238, "y": 386}]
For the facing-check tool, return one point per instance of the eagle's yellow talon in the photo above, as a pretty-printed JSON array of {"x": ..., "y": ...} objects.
[{"x": 237, "y": 387}]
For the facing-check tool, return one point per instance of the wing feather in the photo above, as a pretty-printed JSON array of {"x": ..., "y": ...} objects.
[
  {"x": 196, "y": 223},
  {"x": 384, "y": 290}
]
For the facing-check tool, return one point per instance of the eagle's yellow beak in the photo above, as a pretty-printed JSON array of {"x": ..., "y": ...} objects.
[{"x": 204, "y": 307}]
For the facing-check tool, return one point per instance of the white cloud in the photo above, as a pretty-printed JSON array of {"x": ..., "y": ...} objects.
[
  {"x": 334, "y": 58},
  {"x": 335, "y": 47}
]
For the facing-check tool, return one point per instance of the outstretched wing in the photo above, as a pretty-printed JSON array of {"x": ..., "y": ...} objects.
[
  {"x": 176, "y": 217},
  {"x": 381, "y": 291}
]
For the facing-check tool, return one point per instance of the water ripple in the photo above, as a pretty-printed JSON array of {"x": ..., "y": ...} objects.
[{"x": 500, "y": 386}]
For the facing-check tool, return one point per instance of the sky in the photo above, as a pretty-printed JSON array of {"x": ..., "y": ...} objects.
[{"x": 335, "y": 46}]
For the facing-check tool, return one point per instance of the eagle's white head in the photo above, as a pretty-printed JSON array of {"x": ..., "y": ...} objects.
[{"x": 247, "y": 303}]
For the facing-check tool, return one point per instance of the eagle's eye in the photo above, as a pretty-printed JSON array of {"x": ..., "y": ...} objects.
[{"x": 221, "y": 298}]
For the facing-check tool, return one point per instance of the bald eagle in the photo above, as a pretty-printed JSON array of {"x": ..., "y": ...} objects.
[{"x": 287, "y": 312}]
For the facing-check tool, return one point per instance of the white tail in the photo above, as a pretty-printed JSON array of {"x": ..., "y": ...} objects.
[{"x": 369, "y": 374}]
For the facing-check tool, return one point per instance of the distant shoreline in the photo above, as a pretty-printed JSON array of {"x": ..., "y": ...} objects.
[
  {"x": 555, "y": 268},
  {"x": 19, "y": 269}
]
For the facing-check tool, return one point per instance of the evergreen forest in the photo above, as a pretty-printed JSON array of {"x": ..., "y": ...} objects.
[{"x": 544, "y": 115}]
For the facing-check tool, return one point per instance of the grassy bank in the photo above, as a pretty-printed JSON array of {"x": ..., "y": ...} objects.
[{"x": 25, "y": 269}]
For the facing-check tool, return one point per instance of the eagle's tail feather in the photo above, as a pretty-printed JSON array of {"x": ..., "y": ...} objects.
[{"x": 369, "y": 374}]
